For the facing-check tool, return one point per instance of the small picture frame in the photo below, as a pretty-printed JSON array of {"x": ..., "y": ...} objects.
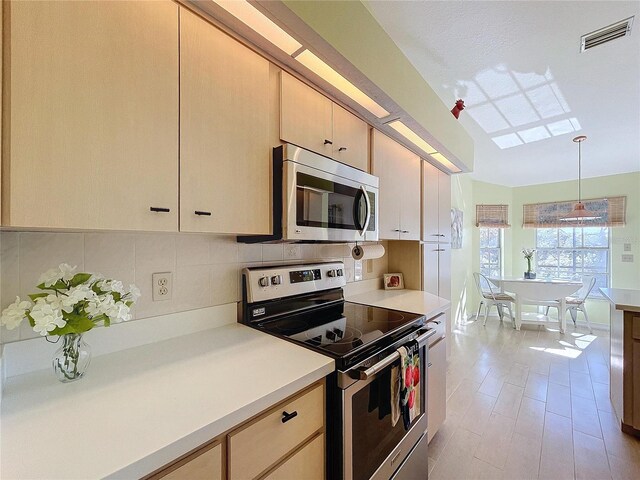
[{"x": 393, "y": 281}]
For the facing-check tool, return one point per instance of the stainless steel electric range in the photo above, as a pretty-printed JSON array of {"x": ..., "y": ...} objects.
[{"x": 305, "y": 304}]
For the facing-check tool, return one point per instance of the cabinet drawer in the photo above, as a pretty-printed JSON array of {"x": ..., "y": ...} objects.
[
  {"x": 261, "y": 444},
  {"x": 205, "y": 466},
  {"x": 635, "y": 329},
  {"x": 438, "y": 324},
  {"x": 307, "y": 463}
]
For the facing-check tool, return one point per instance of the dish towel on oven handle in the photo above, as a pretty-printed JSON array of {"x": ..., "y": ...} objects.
[{"x": 410, "y": 376}]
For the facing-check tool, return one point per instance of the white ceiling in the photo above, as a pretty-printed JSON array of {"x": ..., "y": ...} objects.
[{"x": 519, "y": 69}]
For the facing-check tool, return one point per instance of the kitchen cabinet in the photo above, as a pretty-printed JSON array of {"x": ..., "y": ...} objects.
[
  {"x": 436, "y": 276},
  {"x": 350, "y": 139},
  {"x": 307, "y": 463},
  {"x": 306, "y": 116},
  {"x": 312, "y": 121},
  {"x": 436, "y": 205},
  {"x": 206, "y": 464},
  {"x": 436, "y": 386},
  {"x": 224, "y": 133},
  {"x": 399, "y": 172},
  {"x": 92, "y": 128},
  {"x": 284, "y": 442},
  {"x": 283, "y": 429}
]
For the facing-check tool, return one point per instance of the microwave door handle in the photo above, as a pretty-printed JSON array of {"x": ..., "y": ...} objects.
[{"x": 368, "y": 212}]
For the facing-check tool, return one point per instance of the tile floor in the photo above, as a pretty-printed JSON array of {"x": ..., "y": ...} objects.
[{"x": 530, "y": 404}]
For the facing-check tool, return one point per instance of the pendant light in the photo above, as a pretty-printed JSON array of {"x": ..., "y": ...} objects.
[{"x": 579, "y": 212}]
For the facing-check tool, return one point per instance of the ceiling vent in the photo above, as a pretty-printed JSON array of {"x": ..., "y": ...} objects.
[{"x": 606, "y": 34}]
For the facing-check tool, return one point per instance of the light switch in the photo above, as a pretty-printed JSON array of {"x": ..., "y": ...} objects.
[
  {"x": 627, "y": 247},
  {"x": 627, "y": 258}
]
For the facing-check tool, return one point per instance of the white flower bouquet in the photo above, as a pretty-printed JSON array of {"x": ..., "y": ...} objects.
[
  {"x": 528, "y": 255},
  {"x": 72, "y": 303}
]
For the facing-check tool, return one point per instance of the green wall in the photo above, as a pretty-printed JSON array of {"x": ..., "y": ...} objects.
[
  {"x": 468, "y": 193},
  {"x": 351, "y": 29}
]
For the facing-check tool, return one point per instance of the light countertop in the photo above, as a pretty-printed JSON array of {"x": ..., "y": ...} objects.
[
  {"x": 623, "y": 299},
  {"x": 138, "y": 409},
  {"x": 414, "y": 301}
]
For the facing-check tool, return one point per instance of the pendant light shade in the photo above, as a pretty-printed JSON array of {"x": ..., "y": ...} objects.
[{"x": 579, "y": 212}]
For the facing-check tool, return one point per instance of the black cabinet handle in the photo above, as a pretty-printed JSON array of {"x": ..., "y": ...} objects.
[
  {"x": 429, "y": 365},
  {"x": 328, "y": 142},
  {"x": 158, "y": 209},
  {"x": 405, "y": 231},
  {"x": 342, "y": 149},
  {"x": 288, "y": 416},
  {"x": 199, "y": 212}
]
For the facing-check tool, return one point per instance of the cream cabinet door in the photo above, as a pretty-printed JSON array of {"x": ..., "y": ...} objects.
[
  {"x": 92, "y": 115},
  {"x": 305, "y": 116},
  {"x": 409, "y": 187},
  {"x": 350, "y": 139},
  {"x": 224, "y": 133},
  {"x": 444, "y": 206},
  {"x": 205, "y": 466},
  {"x": 384, "y": 152},
  {"x": 436, "y": 387},
  {"x": 399, "y": 172},
  {"x": 430, "y": 207}
]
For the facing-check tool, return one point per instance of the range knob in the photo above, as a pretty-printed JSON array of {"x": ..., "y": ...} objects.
[
  {"x": 340, "y": 273},
  {"x": 276, "y": 280},
  {"x": 263, "y": 281},
  {"x": 331, "y": 273}
]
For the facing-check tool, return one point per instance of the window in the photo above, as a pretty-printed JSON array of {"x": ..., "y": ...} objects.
[
  {"x": 574, "y": 252},
  {"x": 490, "y": 251}
]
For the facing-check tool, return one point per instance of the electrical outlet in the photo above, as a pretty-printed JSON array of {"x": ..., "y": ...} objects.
[
  {"x": 627, "y": 258},
  {"x": 162, "y": 286},
  {"x": 357, "y": 270},
  {"x": 627, "y": 247},
  {"x": 292, "y": 252}
]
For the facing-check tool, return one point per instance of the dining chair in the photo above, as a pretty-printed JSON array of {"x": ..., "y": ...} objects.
[
  {"x": 490, "y": 297},
  {"x": 576, "y": 302}
]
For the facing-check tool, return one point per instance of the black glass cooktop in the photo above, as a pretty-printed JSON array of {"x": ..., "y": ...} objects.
[{"x": 341, "y": 329}]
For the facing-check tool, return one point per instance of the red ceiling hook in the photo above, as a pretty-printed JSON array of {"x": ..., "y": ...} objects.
[{"x": 457, "y": 108}]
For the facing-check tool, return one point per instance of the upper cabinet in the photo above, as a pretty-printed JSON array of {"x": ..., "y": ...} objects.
[
  {"x": 306, "y": 117},
  {"x": 436, "y": 204},
  {"x": 312, "y": 121},
  {"x": 399, "y": 171},
  {"x": 224, "y": 133},
  {"x": 350, "y": 139},
  {"x": 92, "y": 128}
]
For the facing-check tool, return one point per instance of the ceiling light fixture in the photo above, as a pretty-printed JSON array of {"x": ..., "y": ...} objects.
[
  {"x": 412, "y": 136},
  {"x": 327, "y": 73},
  {"x": 261, "y": 24},
  {"x": 418, "y": 141},
  {"x": 579, "y": 212}
]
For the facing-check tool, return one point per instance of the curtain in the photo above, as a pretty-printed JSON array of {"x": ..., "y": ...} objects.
[
  {"x": 492, "y": 216},
  {"x": 611, "y": 212}
]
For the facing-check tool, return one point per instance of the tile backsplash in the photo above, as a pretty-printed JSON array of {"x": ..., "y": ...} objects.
[{"x": 206, "y": 268}]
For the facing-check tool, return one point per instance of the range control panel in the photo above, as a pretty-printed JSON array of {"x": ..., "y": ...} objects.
[{"x": 266, "y": 283}]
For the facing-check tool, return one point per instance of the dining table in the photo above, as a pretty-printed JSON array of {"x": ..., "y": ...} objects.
[{"x": 536, "y": 290}]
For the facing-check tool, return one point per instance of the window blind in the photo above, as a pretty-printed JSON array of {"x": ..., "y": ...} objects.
[
  {"x": 492, "y": 216},
  {"x": 611, "y": 212}
]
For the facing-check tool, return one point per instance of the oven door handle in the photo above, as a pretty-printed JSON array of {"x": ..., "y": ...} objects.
[
  {"x": 374, "y": 369},
  {"x": 367, "y": 217},
  {"x": 385, "y": 362}
]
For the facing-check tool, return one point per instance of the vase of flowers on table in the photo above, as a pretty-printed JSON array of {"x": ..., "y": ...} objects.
[
  {"x": 528, "y": 255},
  {"x": 68, "y": 305}
]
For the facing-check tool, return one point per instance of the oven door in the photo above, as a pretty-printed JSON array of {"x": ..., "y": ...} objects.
[
  {"x": 326, "y": 207},
  {"x": 374, "y": 448}
]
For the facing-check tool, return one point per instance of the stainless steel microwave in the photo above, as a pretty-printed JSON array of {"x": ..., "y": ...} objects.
[{"x": 317, "y": 199}]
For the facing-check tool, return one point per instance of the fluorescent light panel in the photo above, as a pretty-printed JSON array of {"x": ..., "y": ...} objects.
[
  {"x": 257, "y": 21},
  {"x": 444, "y": 161},
  {"x": 324, "y": 71},
  {"x": 412, "y": 136}
]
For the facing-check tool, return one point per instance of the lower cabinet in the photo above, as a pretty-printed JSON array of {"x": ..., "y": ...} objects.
[
  {"x": 285, "y": 442},
  {"x": 436, "y": 387},
  {"x": 206, "y": 465}
]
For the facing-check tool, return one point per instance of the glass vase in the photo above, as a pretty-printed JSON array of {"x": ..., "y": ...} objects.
[{"x": 71, "y": 360}]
